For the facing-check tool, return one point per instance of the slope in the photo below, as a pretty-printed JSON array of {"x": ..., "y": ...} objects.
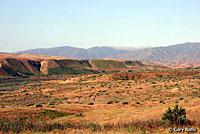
[
  {"x": 180, "y": 53},
  {"x": 26, "y": 65},
  {"x": 77, "y": 53}
]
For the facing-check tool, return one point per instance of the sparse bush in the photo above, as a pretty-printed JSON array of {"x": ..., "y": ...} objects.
[
  {"x": 138, "y": 102},
  {"x": 91, "y": 103},
  {"x": 29, "y": 104},
  {"x": 79, "y": 115},
  {"x": 175, "y": 116},
  {"x": 112, "y": 101},
  {"x": 125, "y": 103},
  {"x": 117, "y": 92},
  {"x": 176, "y": 101},
  {"x": 181, "y": 98},
  {"x": 52, "y": 103},
  {"x": 90, "y": 95},
  {"x": 109, "y": 102},
  {"x": 39, "y": 105}
]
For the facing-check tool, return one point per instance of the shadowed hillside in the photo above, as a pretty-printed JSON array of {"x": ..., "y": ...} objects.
[
  {"x": 180, "y": 53},
  {"x": 23, "y": 65}
]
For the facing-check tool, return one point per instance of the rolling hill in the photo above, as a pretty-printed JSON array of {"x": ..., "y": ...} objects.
[
  {"x": 180, "y": 53},
  {"x": 27, "y": 65}
]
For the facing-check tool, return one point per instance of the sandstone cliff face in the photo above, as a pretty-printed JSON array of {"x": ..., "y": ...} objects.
[
  {"x": 47, "y": 64},
  {"x": 44, "y": 67}
]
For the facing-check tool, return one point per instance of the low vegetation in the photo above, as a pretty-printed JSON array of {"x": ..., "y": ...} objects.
[{"x": 134, "y": 102}]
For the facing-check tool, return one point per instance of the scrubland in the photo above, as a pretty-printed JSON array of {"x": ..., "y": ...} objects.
[{"x": 98, "y": 103}]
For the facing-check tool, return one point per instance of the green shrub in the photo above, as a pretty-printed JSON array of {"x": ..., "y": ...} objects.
[
  {"x": 109, "y": 102},
  {"x": 39, "y": 105},
  {"x": 181, "y": 98},
  {"x": 117, "y": 92},
  {"x": 137, "y": 102},
  {"x": 52, "y": 103},
  {"x": 176, "y": 101},
  {"x": 112, "y": 101},
  {"x": 79, "y": 115},
  {"x": 125, "y": 103},
  {"x": 29, "y": 104},
  {"x": 175, "y": 116},
  {"x": 91, "y": 103},
  {"x": 52, "y": 114}
]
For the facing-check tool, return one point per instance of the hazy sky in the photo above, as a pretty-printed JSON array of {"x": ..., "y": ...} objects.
[{"x": 26, "y": 24}]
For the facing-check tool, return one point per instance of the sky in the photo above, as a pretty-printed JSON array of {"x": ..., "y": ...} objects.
[{"x": 29, "y": 24}]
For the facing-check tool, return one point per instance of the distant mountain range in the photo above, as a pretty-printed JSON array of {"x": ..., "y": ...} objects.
[
  {"x": 179, "y": 53},
  {"x": 77, "y": 53}
]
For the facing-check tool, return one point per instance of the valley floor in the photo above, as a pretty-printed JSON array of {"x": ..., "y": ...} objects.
[{"x": 98, "y": 103}]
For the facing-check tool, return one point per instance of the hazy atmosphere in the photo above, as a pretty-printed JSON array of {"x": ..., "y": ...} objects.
[
  {"x": 28, "y": 24},
  {"x": 99, "y": 66}
]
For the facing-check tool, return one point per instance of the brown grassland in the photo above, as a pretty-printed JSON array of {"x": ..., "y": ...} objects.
[{"x": 98, "y": 103}]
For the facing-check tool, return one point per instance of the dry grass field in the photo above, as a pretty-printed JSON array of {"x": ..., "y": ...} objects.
[{"x": 98, "y": 103}]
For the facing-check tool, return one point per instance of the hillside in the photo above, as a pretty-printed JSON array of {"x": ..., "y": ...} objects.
[
  {"x": 23, "y": 65},
  {"x": 77, "y": 53},
  {"x": 180, "y": 53}
]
